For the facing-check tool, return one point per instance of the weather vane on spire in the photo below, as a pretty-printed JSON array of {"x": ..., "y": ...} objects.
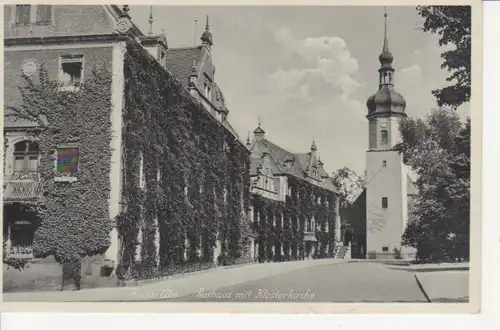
[
  {"x": 195, "y": 28},
  {"x": 386, "y": 41}
]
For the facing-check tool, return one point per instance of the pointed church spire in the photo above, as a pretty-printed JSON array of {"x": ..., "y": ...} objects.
[
  {"x": 206, "y": 37},
  {"x": 386, "y": 41},
  {"x": 193, "y": 77},
  {"x": 386, "y": 100},
  {"x": 386, "y": 58},
  {"x": 195, "y": 30},
  {"x": 259, "y": 132},
  {"x": 150, "y": 21},
  {"x": 193, "y": 67},
  {"x": 248, "y": 138},
  {"x": 313, "y": 146}
]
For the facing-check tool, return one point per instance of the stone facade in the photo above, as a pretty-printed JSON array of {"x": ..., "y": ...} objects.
[{"x": 276, "y": 174}]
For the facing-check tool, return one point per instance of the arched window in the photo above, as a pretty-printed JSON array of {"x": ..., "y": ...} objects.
[{"x": 26, "y": 155}]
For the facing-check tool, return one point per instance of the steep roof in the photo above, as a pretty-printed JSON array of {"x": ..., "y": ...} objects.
[
  {"x": 180, "y": 62},
  {"x": 286, "y": 162}
]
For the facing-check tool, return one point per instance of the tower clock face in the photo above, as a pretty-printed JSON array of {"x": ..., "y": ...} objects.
[{"x": 383, "y": 124}]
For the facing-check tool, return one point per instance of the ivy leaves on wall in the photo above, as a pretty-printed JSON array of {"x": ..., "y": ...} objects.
[
  {"x": 74, "y": 217},
  {"x": 203, "y": 191},
  {"x": 281, "y": 225}
]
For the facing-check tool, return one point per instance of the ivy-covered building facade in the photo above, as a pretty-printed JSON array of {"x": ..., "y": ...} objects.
[
  {"x": 117, "y": 146},
  {"x": 294, "y": 204}
]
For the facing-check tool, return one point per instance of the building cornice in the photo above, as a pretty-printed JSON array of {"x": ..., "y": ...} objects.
[
  {"x": 54, "y": 40},
  {"x": 386, "y": 114}
]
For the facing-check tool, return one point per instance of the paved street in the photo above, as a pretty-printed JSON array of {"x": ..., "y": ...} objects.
[
  {"x": 341, "y": 282},
  {"x": 303, "y": 281}
]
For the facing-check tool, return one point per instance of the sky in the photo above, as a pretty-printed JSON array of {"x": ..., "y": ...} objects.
[{"x": 307, "y": 72}]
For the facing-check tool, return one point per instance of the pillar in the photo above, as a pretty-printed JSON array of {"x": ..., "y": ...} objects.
[
  {"x": 115, "y": 173},
  {"x": 8, "y": 242},
  {"x": 186, "y": 246},
  {"x": 252, "y": 248},
  {"x": 157, "y": 241},
  {"x": 138, "y": 248},
  {"x": 217, "y": 250},
  {"x": 338, "y": 236}
]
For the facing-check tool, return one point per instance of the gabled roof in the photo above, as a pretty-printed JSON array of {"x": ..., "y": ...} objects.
[
  {"x": 180, "y": 62},
  {"x": 286, "y": 162}
]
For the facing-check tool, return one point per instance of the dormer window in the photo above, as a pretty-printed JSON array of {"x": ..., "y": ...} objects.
[
  {"x": 163, "y": 58},
  {"x": 43, "y": 14},
  {"x": 23, "y": 15}
]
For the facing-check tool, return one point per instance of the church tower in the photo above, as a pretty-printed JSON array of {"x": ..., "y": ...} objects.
[{"x": 386, "y": 190}]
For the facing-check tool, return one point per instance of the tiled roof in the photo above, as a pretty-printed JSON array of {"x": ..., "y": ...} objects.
[
  {"x": 285, "y": 162},
  {"x": 180, "y": 62}
]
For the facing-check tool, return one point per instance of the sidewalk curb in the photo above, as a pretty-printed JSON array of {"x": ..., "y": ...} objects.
[{"x": 127, "y": 283}]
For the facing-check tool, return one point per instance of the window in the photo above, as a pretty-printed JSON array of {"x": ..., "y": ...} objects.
[
  {"x": 43, "y": 14},
  {"x": 71, "y": 71},
  {"x": 384, "y": 137},
  {"x": 384, "y": 202},
  {"x": 163, "y": 58},
  {"x": 208, "y": 91},
  {"x": 385, "y": 249},
  {"x": 67, "y": 159},
  {"x": 23, "y": 13},
  {"x": 142, "y": 177},
  {"x": 26, "y": 157}
]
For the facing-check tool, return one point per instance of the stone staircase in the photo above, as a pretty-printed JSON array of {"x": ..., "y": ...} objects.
[{"x": 342, "y": 252}]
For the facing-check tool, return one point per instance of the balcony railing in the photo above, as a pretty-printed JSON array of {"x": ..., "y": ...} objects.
[
  {"x": 22, "y": 190},
  {"x": 21, "y": 252}
]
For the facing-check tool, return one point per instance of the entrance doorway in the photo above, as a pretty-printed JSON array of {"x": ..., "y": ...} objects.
[{"x": 348, "y": 236}]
